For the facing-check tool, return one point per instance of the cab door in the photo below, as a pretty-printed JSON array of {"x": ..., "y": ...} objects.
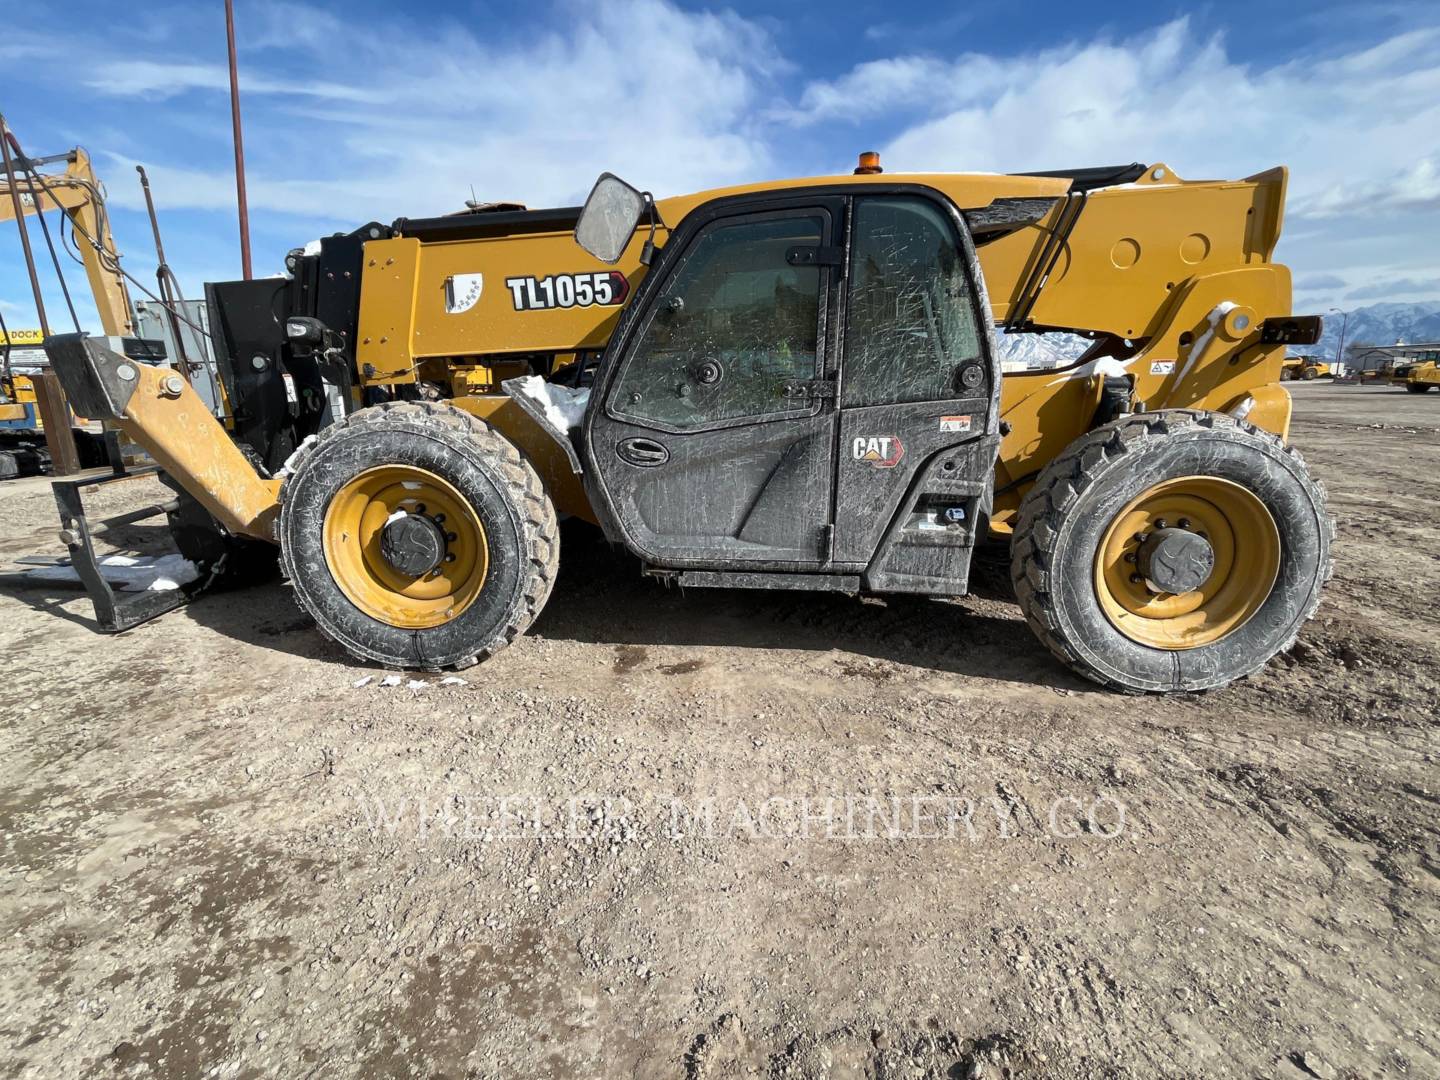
[
  {"x": 919, "y": 397},
  {"x": 713, "y": 443}
]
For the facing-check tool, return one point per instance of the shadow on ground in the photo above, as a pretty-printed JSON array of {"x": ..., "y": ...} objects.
[{"x": 601, "y": 598}]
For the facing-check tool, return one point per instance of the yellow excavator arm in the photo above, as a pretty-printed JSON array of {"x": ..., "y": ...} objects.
[{"x": 78, "y": 193}]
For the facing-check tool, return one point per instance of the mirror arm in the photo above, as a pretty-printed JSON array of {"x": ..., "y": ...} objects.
[{"x": 647, "y": 253}]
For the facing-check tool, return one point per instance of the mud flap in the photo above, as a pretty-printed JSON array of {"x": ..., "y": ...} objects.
[{"x": 536, "y": 411}]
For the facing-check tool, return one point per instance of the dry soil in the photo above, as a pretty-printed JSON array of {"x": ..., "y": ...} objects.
[{"x": 609, "y": 852}]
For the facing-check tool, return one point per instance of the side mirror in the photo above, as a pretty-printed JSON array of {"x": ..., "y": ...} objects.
[{"x": 609, "y": 218}]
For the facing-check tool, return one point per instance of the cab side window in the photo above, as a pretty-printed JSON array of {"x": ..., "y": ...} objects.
[
  {"x": 732, "y": 328},
  {"x": 911, "y": 319}
]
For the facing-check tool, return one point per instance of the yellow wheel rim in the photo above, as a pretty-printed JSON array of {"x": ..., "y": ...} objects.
[
  {"x": 1246, "y": 545},
  {"x": 353, "y": 524}
]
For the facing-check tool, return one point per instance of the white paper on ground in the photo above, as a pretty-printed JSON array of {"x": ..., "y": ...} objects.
[{"x": 130, "y": 573}]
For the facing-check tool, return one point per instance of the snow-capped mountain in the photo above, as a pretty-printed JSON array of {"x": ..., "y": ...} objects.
[
  {"x": 1378, "y": 324},
  {"x": 1374, "y": 324},
  {"x": 1033, "y": 352}
]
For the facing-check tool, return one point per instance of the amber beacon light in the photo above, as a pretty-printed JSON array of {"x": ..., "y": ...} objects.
[{"x": 869, "y": 163}]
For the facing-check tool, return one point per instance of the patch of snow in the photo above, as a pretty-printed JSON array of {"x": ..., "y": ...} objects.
[
  {"x": 396, "y": 516},
  {"x": 294, "y": 459},
  {"x": 390, "y": 680},
  {"x": 1104, "y": 366},
  {"x": 144, "y": 573},
  {"x": 312, "y": 247},
  {"x": 365, "y": 680},
  {"x": 563, "y": 406},
  {"x": 453, "y": 680},
  {"x": 416, "y": 684},
  {"x": 1200, "y": 344}
]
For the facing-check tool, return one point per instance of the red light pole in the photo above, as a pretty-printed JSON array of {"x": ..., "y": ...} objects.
[{"x": 239, "y": 142}]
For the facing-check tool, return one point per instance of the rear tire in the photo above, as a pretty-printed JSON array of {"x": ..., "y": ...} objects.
[
  {"x": 1271, "y": 561},
  {"x": 495, "y": 503},
  {"x": 1307, "y": 373},
  {"x": 1417, "y": 388}
]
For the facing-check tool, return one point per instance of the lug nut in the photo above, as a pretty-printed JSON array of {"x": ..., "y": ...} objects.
[
  {"x": 450, "y": 557},
  {"x": 1136, "y": 579},
  {"x": 450, "y": 538},
  {"x": 1161, "y": 524},
  {"x": 1184, "y": 523},
  {"x": 1131, "y": 557}
]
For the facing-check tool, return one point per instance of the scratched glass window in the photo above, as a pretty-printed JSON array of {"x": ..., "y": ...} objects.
[
  {"x": 910, "y": 316},
  {"x": 732, "y": 328}
]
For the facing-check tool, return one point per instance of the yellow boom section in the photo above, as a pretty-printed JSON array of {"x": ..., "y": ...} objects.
[{"x": 1179, "y": 268}]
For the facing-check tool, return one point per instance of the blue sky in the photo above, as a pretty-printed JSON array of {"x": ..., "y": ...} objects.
[{"x": 362, "y": 110}]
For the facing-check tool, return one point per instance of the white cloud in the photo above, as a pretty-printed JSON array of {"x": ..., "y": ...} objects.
[
  {"x": 643, "y": 88},
  {"x": 1359, "y": 130},
  {"x": 1407, "y": 188},
  {"x": 1350, "y": 126},
  {"x": 1396, "y": 288},
  {"x": 147, "y": 78},
  {"x": 1175, "y": 97},
  {"x": 279, "y": 24},
  {"x": 679, "y": 100}
]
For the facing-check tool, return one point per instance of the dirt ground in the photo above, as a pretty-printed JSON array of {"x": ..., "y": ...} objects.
[{"x": 222, "y": 857}]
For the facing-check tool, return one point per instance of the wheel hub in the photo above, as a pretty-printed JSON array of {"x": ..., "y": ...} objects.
[
  {"x": 405, "y": 546},
  {"x": 1186, "y": 562},
  {"x": 413, "y": 544},
  {"x": 1175, "y": 561}
]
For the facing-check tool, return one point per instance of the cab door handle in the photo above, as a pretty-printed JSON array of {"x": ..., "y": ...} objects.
[{"x": 641, "y": 451}]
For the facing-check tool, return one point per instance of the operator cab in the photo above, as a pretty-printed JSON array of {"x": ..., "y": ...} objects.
[{"x": 804, "y": 384}]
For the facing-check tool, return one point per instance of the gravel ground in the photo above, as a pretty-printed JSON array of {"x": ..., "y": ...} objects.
[{"x": 228, "y": 850}]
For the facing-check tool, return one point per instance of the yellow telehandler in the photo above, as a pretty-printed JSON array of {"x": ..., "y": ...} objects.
[
  {"x": 1305, "y": 369},
  {"x": 785, "y": 385}
]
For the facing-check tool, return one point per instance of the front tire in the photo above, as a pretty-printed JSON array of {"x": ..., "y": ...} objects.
[
  {"x": 491, "y": 530},
  {"x": 1077, "y": 556},
  {"x": 1418, "y": 388}
]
